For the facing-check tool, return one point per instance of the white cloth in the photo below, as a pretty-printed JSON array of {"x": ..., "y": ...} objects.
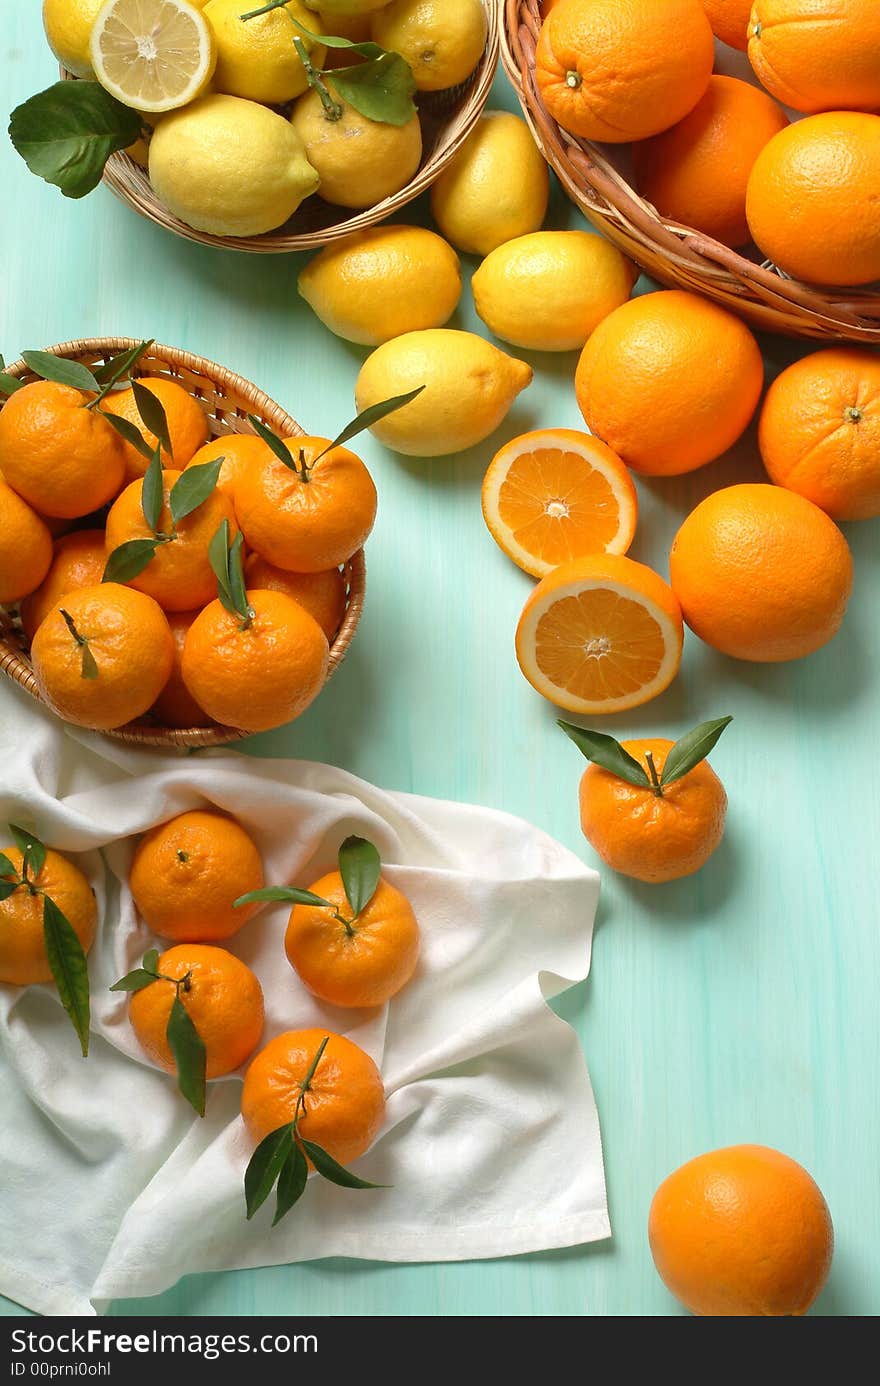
[{"x": 113, "y": 1188}]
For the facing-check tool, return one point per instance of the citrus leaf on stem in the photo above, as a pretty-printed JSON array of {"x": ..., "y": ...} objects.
[
  {"x": 604, "y": 750},
  {"x": 291, "y": 1182},
  {"x": 265, "y": 1166},
  {"x": 69, "y": 968},
  {"x": 237, "y": 586},
  {"x": 691, "y": 749},
  {"x": 58, "y": 368},
  {"x": 8, "y": 888},
  {"x": 381, "y": 89},
  {"x": 289, "y": 895},
  {"x": 6, "y": 867},
  {"x": 129, "y": 559},
  {"x": 152, "y": 492},
  {"x": 120, "y": 365},
  {"x": 193, "y": 488},
  {"x": 186, "y": 1045},
  {"x": 67, "y": 133},
  {"x": 130, "y": 432},
  {"x": 151, "y": 961},
  {"x": 152, "y": 413},
  {"x": 134, "y": 981},
  {"x": 89, "y": 664},
  {"x": 330, "y": 1169},
  {"x": 368, "y": 417},
  {"x": 280, "y": 449},
  {"x": 9, "y": 384},
  {"x": 32, "y": 850},
  {"x": 359, "y": 867},
  {"x": 218, "y": 557}
]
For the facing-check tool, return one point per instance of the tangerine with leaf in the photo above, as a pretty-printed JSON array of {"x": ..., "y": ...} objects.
[
  {"x": 235, "y": 451},
  {"x": 323, "y": 595},
  {"x": 180, "y": 423}
]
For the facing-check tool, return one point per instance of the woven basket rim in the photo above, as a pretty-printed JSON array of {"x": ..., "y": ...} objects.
[{"x": 15, "y": 663}]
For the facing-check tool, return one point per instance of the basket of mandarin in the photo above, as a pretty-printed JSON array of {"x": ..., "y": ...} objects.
[
  {"x": 180, "y": 564},
  {"x": 264, "y": 127},
  {"x": 730, "y": 147}
]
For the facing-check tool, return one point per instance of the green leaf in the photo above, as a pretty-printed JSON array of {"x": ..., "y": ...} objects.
[
  {"x": 288, "y": 895},
  {"x": 381, "y": 89},
  {"x": 237, "y": 585},
  {"x": 67, "y": 133},
  {"x": 89, "y": 664},
  {"x": 186, "y": 1045},
  {"x": 31, "y": 848},
  {"x": 370, "y": 416},
  {"x": 280, "y": 449},
  {"x": 291, "y": 1182},
  {"x": 6, "y": 867},
  {"x": 605, "y": 751},
  {"x": 151, "y": 961},
  {"x": 134, "y": 981},
  {"x": 689, "y": 750},
  {"x": 218, "y": 557},
  {"x": 193, "y": 487},
  {"x": 359, "y": 867},
  {"x": 130, "y": 432},
  {"x": 9, "y": 384},
  {"x": 69, "y": 968},
  {"x": 152, "y": 412},
  {"x": 119, "y": 366},
  {"x": 59, "y": 369},
  {"x": 153, "y": 492},
  {"x": 8, "y": 888},
  {"x": 129, "y": 559},
  {"x": 330, "y": 1169},
  {"x": 265, "y": 1166}
]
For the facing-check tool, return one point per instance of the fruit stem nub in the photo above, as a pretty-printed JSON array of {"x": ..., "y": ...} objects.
[
  {"x": 852, "y": 414},
  {"x": 655, "y": 778},
  {"x": 573, "y": 79}
]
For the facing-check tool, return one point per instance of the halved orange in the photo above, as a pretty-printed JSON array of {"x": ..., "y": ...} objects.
[
  {"x": 600, "y": 634},
  {"x": 557, "y": 494}
]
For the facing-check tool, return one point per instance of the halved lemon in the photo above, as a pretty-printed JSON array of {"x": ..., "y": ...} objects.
[
  {"x": 153, "y": 55},
  {"x": 600, "y": 634},
  {"x": 558, "y": 494}
]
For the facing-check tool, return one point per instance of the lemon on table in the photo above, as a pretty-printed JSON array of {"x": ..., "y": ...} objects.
[
  {"x": 550, "y": 290},
  {"x": 442, "y": 40},
  {"x": 495, "y": 188},
  {"x": 229, "y": 167},
  {"x": 68, "y": 26},
  {"x": 256, "y": 58},
  {"x": 154, "y": 58},
  {"x": 359, "y": 161},
  {"x": 382, "y": 282},
  {"x": 469, "y": 387}
]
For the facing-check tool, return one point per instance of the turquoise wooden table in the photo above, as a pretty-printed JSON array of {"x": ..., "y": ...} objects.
[{"x": 740, "y": 1005}]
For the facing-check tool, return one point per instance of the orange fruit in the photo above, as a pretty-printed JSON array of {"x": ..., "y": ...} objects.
[
  {"x": 64, "y": 459},
  {"x": 307, "y": 526},
  {"x": 811, "y": 202},
  {"x": 127, "y": 636},
  {"x": 22, "y": 948},
  {"x": 186, "y": 875},
  {"x": 25, "y": 546},
  {"x": 323, "y": 595},
  {"x": 819, "y": 431},
  {"x": 761, "y": 573},
  {"x": 697, "y": 172},
  {"x": 817, "y": 56},
  {"x": 620, "y": 70},
  {"x": 222, "y": 997},
  {"x": 729, "y": 20},
  {"x": 175, "y": 706},
  {"x": 238, "y": 450},
  {"x": 742, "y": 1232},
  {"x": 258, "y": 676},
  {"x": 186, "y": 419},
  {"x": 669, "y": 381},
  {"x": 556, "y": 494},
  {"x": 344, "y": 1103},
  {"x": 600, "y": 634},
  {"x": 179, "y": 576},
  {"x": 79, "y": 561}
]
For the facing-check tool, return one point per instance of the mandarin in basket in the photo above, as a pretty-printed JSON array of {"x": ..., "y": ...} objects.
[
  {"x": 175, "y": 706},
  {"x": 63, "y": 458},
  {"x": 238, "y": 450},
  {"x": 25, "y": 546},
  {"x": 817, "y": 56},
  {"x": 323, "y": 595},
  {"x": 78, "y": 560},
  {"x": 185, "y": 417},
  {"x": 730, "y": 20},
  {"x": 23, "y": 957}
]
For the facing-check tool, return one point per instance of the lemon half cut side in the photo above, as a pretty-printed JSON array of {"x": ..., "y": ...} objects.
[{"x": 153, "y": 55}]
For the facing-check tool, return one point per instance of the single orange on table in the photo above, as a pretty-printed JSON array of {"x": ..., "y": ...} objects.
[
  {"x": 817, "y": 56},
  {"x": 323, "y": 595},
  {"x": 557, "y": 494},
  {"x": 23, "y": 956},
  {"x": 59, "y": 455},
  {"x": 78, "y": 561},
  {"x": 185, "y": 418},
  {"x": 730, "y": 21},
  {"x": 175, "y": 706},
  {"x": 742, "y": 1232},
  {"x": 25, "y": 547},
  {"x": 600, "y": 634},
  {"x": 238, "y": 451}
]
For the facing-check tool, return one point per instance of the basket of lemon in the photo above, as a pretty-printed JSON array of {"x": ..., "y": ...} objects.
[{"x": 270, "y": 127}]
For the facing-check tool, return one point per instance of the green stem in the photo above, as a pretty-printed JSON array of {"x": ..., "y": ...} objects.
[
  {"x": 332, "y": 109},
  {"x": 266, "y": 9},
  {"x": 300, "y": 1109},
  {"x": 655, "y": 778},
  {"x": 346, "y": 923}
]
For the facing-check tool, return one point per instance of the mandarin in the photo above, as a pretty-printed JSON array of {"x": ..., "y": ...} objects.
[
  {"x": 63, "y": 458},
  {"x": 79, "y": 560},
  {"x": 238, "y": 451},
  {"x": 817, "y": 56},
  {"x": 323, "y": 595},
  {"x": 23, "y": 957},
  {"x": 25, "y": 547},
  {"x": 186, "y": 419},
  {"x": 175, "y": 706},
  {"x": 730, "y": 20}
]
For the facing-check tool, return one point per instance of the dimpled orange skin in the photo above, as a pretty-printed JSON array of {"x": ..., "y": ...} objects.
[
  {"x": 79, "y": 560},
  {"x": 22, "y": 948},
  {"x": 697, "y": 172},
  {"x": 187, "y": 874},
  {"x": 811, "y": 202},
  {"x": 238, "y": 451},
  {"x": 175, "y": 706},
  {"x": 224, "y": 1002},
  {"x": 25, "y": 547},
  {"x": 64, "y": 459},
  {"x": 621, "y": 70},
  {"x": 131, "y": 642},
  {"x": 815, "y": 55},
  {"x": 648, "y": 837},
  {"x": 260, "y": 677},
  {"x": 761, "y": 573},
  {"x": 345, "y": 1102},
  {"x": 742, "y": 1232},
  {"x": 669, "y": 381},
  {"x": 730, "y": 21},
  {"x": 186, "y": 419},
  {"x": 179, "y": 576},
  {"x": 322, "y": 594},
  {"x": 307, "y": 527}
]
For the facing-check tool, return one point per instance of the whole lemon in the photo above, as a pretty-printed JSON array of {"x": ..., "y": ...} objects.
[
  {"x": 359, "y": 161},
  {"x": 442, "y": 40},
  {"x": 229, "y": 167},
  {"x": 355, "y": 28},
  {"x": 68, "y": 26},
  {"x": 256, "y": 58},
  {"x": 469, "y": 387},
  {"x": 495, "y": 188},
  {"x": 549, "y": 290},
  {"x": 382, "y": 282}
]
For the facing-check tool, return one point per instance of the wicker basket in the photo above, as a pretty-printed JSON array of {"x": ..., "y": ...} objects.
[
  {"x": 674, "y": 254},
  {"x": 228, "y": 399},
  {"x": 447, "y": 119}
]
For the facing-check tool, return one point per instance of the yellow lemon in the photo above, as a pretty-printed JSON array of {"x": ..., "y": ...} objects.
[
  {"x": 153, "y": 60},
  {"x": 380, "y": 283},
  {"x": 495, "y": 188},
  {"x": 68, "y": 26},
  {"x": 548, "y": 291},
  {"x": 359, "y": 161},
  {"x": 229, "y": 167},
  {"x": 469, "y": 387},
  {"x": 345, "y": 9},
  {"x": 256, "y": 58},
  {"x": 355, "y": 28},
  {"x": 442, "y": 40}
]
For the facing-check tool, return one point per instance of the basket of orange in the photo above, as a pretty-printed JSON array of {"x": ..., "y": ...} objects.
[
  {"x": 180, "y": 564},
  {"x": 757, "y": 193}
]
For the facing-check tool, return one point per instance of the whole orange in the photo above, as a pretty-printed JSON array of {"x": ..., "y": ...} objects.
[
  {"x": 126, "y": 635},
  {"x": 818, "y": 56},
  {"x": 697, "y": 172},
  {"x": 64, "y": 459},
  {"x": 175, "y": 706},
  {"x": 669, "y": 381},
  {"x": 186, "y": 419},
  {"x": 761, "y": 573},
  {"x": 729, "y": 20},
  {"x": 811, "y": 201},
  {"x": 220, "y": 994},
  {"x": 238, "y": 451},
  {"x": 344, "y": 1105},
  {"x": 742, "y": 1232},
  {"x": 186, "y": 875},
  {"x": 621, "y": 70},
  {"x": 79, "y": 560},
  {"x": 23, "y": 957},
  {"x": 25, "y": 546},
  {"x": 322, "y": 594}
]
